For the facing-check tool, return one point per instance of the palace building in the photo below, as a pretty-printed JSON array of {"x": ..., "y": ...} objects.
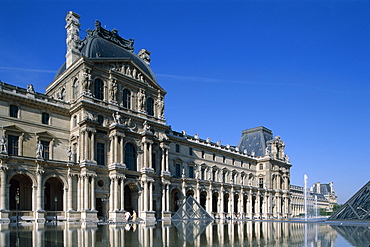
[{"x": 96, "y": 144}]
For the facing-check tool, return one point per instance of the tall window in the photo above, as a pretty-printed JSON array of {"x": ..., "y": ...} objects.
[
  {"x": 99, "y": 89},
  {"x": 150, "y": 106},
  {"x": 74, "y": 152},
  {"x": 260, "y": 182},
  {"x": 100, "y": 153},
  {"x": 177, "y": 148},
  {"x": 202, "y": 173},
  {"x": 191, "y": 171},
  {"x": 177, "y": 170},
  {"x": 45, "y": 118},
  {"x": 46, "y": 149},
  {"x": 190, "y": 151},
  {"x": 202, "y": 154},
  {"x": 130, "y": 157},
  {"x": 127, "y": 98},
  {"x": 13, "y": 145},
  {"x": 13, "y": 111},
  {"x": 75, "y": 89}
]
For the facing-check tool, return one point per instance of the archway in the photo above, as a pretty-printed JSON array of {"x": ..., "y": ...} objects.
[
  {"x": 131, "y": 197},
  {"x": 245, "y": 200},
  {"x": 226, "y": 203},
  {"x": 20, "y": 185},
  {"x": 203, "y": 199},
  {"x": 176, "y": 200},
  {"x": 53, "y": 195},
  {"x": 190, "y": 193},
  {"x": 214, "y": 202},
  {"x": 236, "y": 200}
]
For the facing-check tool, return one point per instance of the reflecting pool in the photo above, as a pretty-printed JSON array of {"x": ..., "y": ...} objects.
[{"x": 187, "y": 233}]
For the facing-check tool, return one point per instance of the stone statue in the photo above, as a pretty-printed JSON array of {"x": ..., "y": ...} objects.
[
  {"x": 39, "y": 150},
  {"x": 141, "y": 99},
  {"x": 86, "y": 81},
  {"x": 245, "y": 151},
  {"x": 3, "y": 149},
  {"x": 128, "y": 70},
  {"x": 146, "y": 127},
  {"x": 253, "y": 153},
  {"x": 113, "y": 90},
  {"x": 267, "y": 151},
  {"x": 160, "y": 105},
  {"x": 30, "y": 88},
  {"x": 287, "y": 158},
  {"x": 134, "y": 72},
  {"x": 69, "y": 153},
  {"x": 117, "y": 118}
]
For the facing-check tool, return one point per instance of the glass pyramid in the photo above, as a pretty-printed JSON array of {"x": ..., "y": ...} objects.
[
  {"x": 356, "y": 208},
  {"x": 191, "y": 210}
]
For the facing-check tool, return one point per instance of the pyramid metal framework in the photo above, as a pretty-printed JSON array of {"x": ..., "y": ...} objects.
[
  {"x": 190, "y": 230},
  {"x": 191, "y": 210},
  {"x": 356, "y": 208}
]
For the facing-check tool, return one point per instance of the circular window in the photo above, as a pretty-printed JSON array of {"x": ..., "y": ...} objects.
[{"x": 100, "y": 183}]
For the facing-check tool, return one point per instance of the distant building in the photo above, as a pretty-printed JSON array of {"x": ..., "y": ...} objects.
[
  {"x": 322, "y": 195},
  {"x": 97, "y": 144}
]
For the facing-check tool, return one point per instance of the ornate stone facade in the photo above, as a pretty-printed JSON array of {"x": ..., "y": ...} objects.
[{"x": 97, "y": 144}]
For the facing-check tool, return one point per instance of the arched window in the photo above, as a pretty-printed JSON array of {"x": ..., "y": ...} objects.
[
  {"x": 127, "y": 98},
  {"x": 130, "y": 156},
  {"x": 99, "y": 89},
  {"x": 150, "y": 106},
  {"x": 75, "y": 89}
]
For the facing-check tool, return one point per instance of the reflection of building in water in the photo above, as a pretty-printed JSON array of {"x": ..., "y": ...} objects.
[
  {"x": 97, "y": 144},
  {"x": 246, "y": 233},
  {"x": 324, "y": 193}
]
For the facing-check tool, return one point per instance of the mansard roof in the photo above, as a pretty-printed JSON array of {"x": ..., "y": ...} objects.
[
  {"x": 255, "y": 140},
  {"x": 105, "y": 44}
]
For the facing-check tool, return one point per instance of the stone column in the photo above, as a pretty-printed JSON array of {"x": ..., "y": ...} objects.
[
  {"x": 111, "y": 194},
  {"x": 150, "y": 157},
  {"x": 39, "y": 189},
  {"x": 70, "y": 191},
  {"x": 86, "y": 192},
  {"x": 168, "y": 197},
  {"x": 145, "y": 162},
  {"x": 150, "y": 196},
  {"x": 232, "y": 199},
  {"x": 92, "y": 146},
  {"x": 79, "y": 196},
  {"x": 122, "y": 193},
  {"x": 166, "y": 159},
  {"x": 116, "y": 194},
  {"x": 92, "y": 193},
  {"x": 221, "y": 201},
  {"x": 164, "y": 195},
  {"x": 145, "y": 185},
  {"x": 3, "y": 187}
]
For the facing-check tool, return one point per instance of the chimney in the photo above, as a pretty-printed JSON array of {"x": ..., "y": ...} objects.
[{"x": 73, "y": 38}]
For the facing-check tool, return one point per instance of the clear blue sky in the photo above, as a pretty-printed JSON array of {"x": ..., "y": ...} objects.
[{"x": 299, "y": 68}]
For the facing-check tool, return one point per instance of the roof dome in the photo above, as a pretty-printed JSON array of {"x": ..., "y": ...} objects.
[{"x": 102, "y": 43}]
